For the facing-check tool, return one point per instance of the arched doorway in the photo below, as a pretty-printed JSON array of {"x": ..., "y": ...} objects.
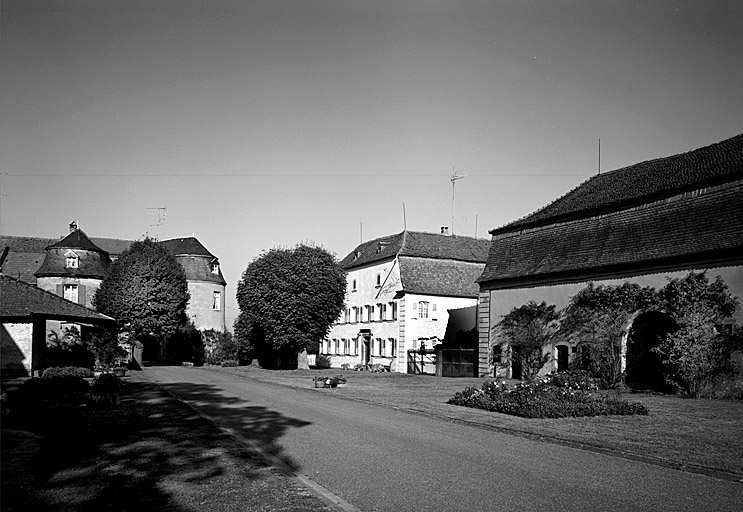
[{"x": 644, "y": 367}]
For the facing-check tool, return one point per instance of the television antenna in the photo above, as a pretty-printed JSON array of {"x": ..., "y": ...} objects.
[
  {"x": 454, "y": 178},
  {"x": 160, "y": 215}
]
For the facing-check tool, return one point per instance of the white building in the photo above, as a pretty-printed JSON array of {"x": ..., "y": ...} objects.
[{"x": 400, "y": 289}]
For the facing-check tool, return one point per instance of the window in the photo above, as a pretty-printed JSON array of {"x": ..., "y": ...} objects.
[
  {"x": 379, "y": 280},
  {"x": 382, "y": 346},
  {"x": 70, "y": 292},
  {"x": 393, "y": 347},
  {"x": 353, "y": 285},
  {"x": 71, "y": 260},
  {"x": 337, "y": 345},
  {"x": 369, "y": 313},
  {"x": 422, "y": 309},
  {"x": 356, "y": 347},
  {"x": 355, "y": 314},
  {"x": 393, "y": 310},
  {"x": 217, "y": 301},
  {"x": 215, "y": 267},
  {"x": 382, "y": 309}
]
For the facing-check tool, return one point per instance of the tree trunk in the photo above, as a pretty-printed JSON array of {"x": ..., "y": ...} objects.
[{"x": 302, "y": 361}]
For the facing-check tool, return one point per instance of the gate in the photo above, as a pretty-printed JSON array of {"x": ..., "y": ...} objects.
[
  {"x": 422, "y": 361},
  {"x": 458, "y": 362}
]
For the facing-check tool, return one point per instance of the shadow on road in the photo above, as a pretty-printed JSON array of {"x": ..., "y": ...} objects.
[
  {"x": 257, "y": 424},
  {"x": 150, "y": 453}
]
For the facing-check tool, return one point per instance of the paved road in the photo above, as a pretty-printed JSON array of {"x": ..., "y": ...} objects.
[{"x": 382, "y": 459}]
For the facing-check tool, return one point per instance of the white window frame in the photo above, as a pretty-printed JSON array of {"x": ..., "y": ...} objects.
[
  {"x": 71, "y": 292},
  {"x": 72, "y": 260},
  {"x": 217, "y": 301},
  {"x": 423, "y": 310}
]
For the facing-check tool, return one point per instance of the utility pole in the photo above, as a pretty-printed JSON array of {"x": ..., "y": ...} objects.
[{"x": 454, "y": 178}]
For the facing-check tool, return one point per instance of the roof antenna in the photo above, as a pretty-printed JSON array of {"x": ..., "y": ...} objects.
[
  {"x": 599, "y": 156},
  {"x": 160, "y": 213},
  {"x": 454, "y": 178},
  {"x": 404, "y": 219}
]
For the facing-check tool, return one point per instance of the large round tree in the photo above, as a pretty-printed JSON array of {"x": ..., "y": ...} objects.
[
  {"x": 146, "y": 290},
  {"x": 288, "y": 300}
]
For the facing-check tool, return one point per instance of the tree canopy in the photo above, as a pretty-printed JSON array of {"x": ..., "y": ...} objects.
[
  {"x": 528, "y": 329},
  {"x": 595, "y": 320},
  {"x": 699, "y": 351},
  {"x": 289, "y": 298},
  {"x": 146, "y": 290}
]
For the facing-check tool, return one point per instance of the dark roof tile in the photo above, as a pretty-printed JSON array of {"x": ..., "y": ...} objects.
[
  {"x": 643, "y": 182},
  {"x": 20, "y": 300},
  {"x": 695, "y": 227},
  {"x": 418, "y": 244}
]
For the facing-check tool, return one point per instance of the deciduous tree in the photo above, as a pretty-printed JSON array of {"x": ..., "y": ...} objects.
[
  {"x": 527, "y": 330},
  {"x": 699, "y": 351},
  {"x": 288, "y": 300},
  {"x": 145, "y": 290},
  {"x": 595, "y": 321}
]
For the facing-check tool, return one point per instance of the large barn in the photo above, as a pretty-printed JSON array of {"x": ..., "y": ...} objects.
[{"x": 643, "y": 224}]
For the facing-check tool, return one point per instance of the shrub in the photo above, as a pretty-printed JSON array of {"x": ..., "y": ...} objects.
[
  {"x": 67, "y": 371},
  {"x": 569, "y": 397},
  {"x": 106, "y": 384},
  {"x": 229, "y": 363},
  {"x": 53, "y": 386}
]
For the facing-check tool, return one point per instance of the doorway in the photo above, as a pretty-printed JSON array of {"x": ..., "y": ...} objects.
[{"x": 562, "y": 358}]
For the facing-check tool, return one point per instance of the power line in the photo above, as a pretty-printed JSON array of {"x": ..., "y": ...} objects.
[{"x": 278, "y": 175}]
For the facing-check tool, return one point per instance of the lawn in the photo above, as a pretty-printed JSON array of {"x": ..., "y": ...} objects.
[{"x": 697, "y": 433}]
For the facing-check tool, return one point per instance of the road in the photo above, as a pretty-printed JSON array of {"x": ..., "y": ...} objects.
[{"x": 381, "y": 459}]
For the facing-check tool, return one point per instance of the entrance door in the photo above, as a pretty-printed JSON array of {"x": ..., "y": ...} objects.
[
  {"x": 562, "y": 358},
  {"x": 367, "y": 351}
]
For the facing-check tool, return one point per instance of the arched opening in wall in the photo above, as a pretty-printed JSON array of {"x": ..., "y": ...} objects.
[{"x": 645, "y": 367}]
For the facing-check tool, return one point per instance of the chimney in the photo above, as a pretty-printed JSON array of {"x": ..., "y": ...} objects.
[
  {"x": 73, "y": 226},
  {"x": 444, "y": 230}
]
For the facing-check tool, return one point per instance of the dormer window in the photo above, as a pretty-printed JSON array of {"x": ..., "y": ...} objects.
[
  {"x": 215, "y": 267},
  {"x": 71, "y": 260}
]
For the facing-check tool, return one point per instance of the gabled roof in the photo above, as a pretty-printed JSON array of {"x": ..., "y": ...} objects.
[
  {"x": 77, "y": 239},
  {"x": 642, "y": 183},
  {"x": 694, "y": 223},
  {"x": 447, "y": 278},
  {"x": 420, "y": 245},
  {"x": 19, "y": 300},
  {"x": 186, "y": 246}
]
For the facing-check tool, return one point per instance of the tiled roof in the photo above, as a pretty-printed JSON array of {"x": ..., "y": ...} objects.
[
  {"x": 77, "y": 239},
  {"x": 687, "y": 231},
  {"x": 642, "y": 183},
  {"x": 181, "y": 246},
  {"x": 418, "y": 244},
  {"x": 198, "y": 268},
  {"x": 439, "y": 277},
  {"x": 19, "y": 300},
  {"x": 113, "y": 246}
]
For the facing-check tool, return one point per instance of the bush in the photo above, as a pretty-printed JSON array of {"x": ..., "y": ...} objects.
[
  {"x": 53, "y": 386},
  {"x": 229, "y": 363},
  {"x": 569, "y": 397},
  {"x": 67, "y": 371},
  {"x": 106, "y": 384}
]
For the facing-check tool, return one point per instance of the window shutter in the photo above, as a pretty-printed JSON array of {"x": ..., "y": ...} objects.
[
  {"x": 81, "y": 294},
  {"x": 60, "y": 290}
]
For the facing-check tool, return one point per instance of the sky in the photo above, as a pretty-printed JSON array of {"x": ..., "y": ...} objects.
[{"x": 263, "y": 124}]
